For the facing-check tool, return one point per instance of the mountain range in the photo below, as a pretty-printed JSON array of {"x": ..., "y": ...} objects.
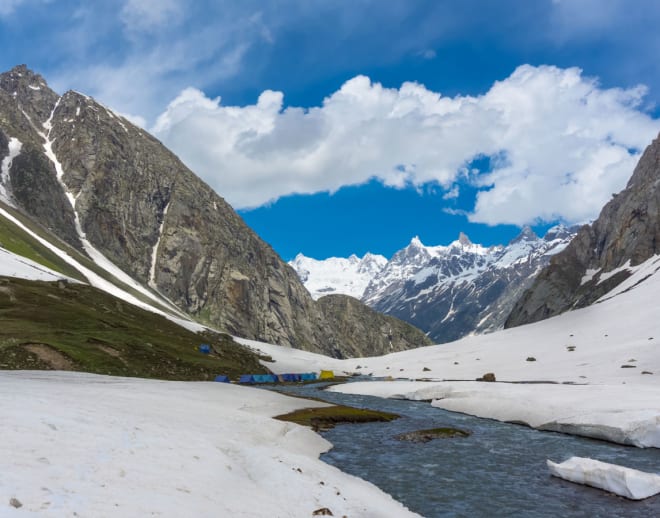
[{"x": 447, "y": 291}]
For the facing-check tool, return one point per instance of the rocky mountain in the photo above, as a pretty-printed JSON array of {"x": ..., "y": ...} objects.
[
  {"x": 384, "y": 334},
  {"x": 114, "y": 193},
  {"x": 603, "y": 254},
  {"x": 451, "y": 291}
]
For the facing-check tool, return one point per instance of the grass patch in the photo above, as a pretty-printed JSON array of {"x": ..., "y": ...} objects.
[
  {"x": 325, "y": 418},
  {"x": 431, "y": 434},
  {"x": 99, "y": 333}
]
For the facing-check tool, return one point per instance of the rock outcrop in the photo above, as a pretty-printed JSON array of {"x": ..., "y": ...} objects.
[
  {"x": 626, "y": 233},
  {"x": 382, "y": 334}
]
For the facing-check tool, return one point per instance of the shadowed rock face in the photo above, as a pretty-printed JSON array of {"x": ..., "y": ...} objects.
[
  {"x": 383, "y": 334},
  {"x": 151, "y": 216},
  {"x": 627, "y": 231}
]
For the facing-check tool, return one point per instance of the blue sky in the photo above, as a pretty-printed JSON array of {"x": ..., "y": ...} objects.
[{"x": 339, "y": 127}]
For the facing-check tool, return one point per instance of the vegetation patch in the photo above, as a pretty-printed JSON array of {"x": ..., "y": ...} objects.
[
  {"x": 429, "y": 435},
  {"x": 50, "y": 325},
  {"x": 321, "y": 419}
]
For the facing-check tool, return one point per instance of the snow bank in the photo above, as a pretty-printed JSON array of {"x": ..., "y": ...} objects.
[
  {"x": 624, "y": 414},
  {"x": 626, "y": 482},
  {"x": 12, "y": 265},
  {"x": 89, "y": 445}
]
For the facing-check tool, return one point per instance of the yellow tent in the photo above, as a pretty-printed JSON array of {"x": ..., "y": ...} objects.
[{"x": 326, "y": 375}]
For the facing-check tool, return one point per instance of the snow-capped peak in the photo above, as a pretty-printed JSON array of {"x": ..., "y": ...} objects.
[
  {"x": 337, "y": 275},
  {"x": 463, "y": 239},
  {"x": 526, "y": 234},
  {"x": 415, "y": 242}
]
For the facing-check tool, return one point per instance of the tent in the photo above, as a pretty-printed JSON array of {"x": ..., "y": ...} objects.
[
  {"x": 264, "y": 378},
  {"x": 290, "y": 377},
  {"x": 222, "y": 379},
  {"x": 205, "y": 348},
  {"x": 326, "y": 375},
  {"x": 308, "y": 376},
  {"x": 246, "y": 378}
]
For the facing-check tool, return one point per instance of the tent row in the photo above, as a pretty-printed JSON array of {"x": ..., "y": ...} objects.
[
  {"x": 275, "y": 378},
  {"x": 272, "y": 378}
]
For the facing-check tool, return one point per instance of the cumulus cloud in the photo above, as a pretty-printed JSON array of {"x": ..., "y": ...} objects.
[{"x": 560, "y": 145}]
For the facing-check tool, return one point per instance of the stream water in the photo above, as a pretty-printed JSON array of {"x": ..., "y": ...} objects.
[{"x": 500, "y": 470}]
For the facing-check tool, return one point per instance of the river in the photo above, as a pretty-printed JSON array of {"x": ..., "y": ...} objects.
[{"x": 499, "y": 470}]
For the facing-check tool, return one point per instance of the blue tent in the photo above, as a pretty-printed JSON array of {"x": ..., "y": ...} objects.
[
  {"x": 290, "y": 377},
  {"x": 246, "y": 378},
  {"x": 308, "y": 376},
  {"x": 222, "y": 379},
  {"x": 264, "y": 378},
  {"x": 205, "y": 348}
]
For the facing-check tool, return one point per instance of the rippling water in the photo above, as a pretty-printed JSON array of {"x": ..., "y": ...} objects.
[{"x": 500, "y": 470}]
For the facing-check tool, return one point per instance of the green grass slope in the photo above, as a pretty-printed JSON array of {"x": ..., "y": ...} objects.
[{"x": 69, "y": 326}]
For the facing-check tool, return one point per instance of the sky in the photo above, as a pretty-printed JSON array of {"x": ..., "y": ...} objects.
[{"x": 337, "y": 127}]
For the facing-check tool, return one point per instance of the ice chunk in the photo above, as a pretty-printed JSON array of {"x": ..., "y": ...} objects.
[{"x": 626, "y": 482}]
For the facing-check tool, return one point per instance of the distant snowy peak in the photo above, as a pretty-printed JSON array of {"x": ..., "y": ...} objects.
[
  {"x": 337, "y": 275},
  {"x": 462, "y": 260}
]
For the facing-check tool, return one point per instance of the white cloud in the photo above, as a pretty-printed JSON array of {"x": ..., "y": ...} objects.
[
  {"x": 562, "y": 141},
  {"x": 452, "y": 193}
]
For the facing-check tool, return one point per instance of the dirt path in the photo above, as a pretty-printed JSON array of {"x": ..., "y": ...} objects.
[{"x": 50, "y": 356}]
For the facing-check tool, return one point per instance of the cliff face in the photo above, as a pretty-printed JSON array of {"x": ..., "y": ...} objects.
[
  {"x": 626, "y": 233},
  {"x": 96, "y": 181}
]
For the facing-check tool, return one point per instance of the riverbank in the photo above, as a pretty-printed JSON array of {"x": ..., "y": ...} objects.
[
  {"x": 623, "y": 414},
  {"x": 499, "y": 469}
]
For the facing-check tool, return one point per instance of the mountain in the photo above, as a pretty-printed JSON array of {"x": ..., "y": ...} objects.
[
  {"x": 113, "y": 193},
  {"x": 384, "y": 334},
  {"x": 447, "y": 291},
  {"x": 603, "y": 254},
  {"x": 337, "y": 275}
]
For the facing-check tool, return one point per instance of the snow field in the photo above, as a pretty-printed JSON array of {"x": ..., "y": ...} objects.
[{"x": 103, "y": 446}]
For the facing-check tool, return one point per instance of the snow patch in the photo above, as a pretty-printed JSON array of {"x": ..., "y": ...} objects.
[
  {"x": 12, "y": 265},
  {"x": 622, "y": 481},
  {"x": 588, "y": 275},
  {"x": 5, "y": 180},
  {"x": 154, "y": 252},
  {"x": 604, "y": 276}
]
